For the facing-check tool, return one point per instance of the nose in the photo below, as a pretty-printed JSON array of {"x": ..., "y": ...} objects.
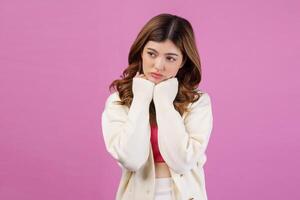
[{"x": 159, "y": 64}]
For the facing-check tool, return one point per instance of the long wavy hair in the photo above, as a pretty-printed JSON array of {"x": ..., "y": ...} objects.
[{"x": 160, "y": 28}]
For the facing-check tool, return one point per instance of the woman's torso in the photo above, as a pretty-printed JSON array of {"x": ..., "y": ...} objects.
[{"x": 161, "y": 168}]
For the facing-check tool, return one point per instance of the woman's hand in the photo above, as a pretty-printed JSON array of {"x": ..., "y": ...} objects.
[
  {"x": 142, "y": 88},
  {"x": 140, "y": 75},
  {"x": 169, "y": 78},
  {"x": 166, "y": 91}
]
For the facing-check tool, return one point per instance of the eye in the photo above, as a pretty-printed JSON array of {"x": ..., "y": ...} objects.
[
  {"x": 170, "y": 58},
  {"x": 151, "y": 54}
]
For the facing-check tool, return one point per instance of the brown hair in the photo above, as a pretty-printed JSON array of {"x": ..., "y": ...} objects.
[{"x": 160, "y": 28}]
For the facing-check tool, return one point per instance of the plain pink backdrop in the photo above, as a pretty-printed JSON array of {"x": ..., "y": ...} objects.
[{"x": 58, "y": 58}]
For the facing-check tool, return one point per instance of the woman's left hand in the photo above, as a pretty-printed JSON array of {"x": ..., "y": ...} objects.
[{"x": 166, "y": 91}]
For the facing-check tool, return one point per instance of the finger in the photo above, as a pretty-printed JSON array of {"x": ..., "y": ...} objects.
[{"x": 143, "y": 76}]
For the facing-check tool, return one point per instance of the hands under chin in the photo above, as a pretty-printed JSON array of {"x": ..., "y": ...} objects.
[
  {"x": 145, "y": 77},
  {"x": 164, "y": 92}
]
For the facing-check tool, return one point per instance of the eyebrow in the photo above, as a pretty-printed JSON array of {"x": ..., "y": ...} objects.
[{"x": 166, "y": 53}]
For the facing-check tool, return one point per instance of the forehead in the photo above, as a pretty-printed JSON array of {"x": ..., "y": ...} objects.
[{"x": 164, "y": 47}]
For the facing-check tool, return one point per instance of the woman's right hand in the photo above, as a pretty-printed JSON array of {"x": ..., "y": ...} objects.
[
  {"x": 140, "y": 75},
  {"x": 142, "y": 88}
]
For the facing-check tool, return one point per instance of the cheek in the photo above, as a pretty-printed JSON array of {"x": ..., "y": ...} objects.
[
  {"x": 172, "y": 70},
  {"x": 146, "y": 64}
]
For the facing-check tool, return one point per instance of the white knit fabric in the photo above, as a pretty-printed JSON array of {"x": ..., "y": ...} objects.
[{"x": 182, "y": 140}]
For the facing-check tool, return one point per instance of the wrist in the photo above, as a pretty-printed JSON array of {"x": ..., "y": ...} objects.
[
  {"x": 142, "y": 89},
  {"x": 165, "y": 92}
]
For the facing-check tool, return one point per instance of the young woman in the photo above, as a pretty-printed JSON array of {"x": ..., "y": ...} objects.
[{"x": 157, "y": 124}]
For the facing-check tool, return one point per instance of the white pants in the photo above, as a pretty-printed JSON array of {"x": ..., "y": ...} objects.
[{"x": 163, "y": 189}]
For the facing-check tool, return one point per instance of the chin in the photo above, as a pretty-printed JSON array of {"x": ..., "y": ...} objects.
[{"x": 154, "y": 80}]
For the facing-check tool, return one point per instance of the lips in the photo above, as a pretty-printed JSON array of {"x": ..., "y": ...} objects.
[{"x": 156, "y": 75}]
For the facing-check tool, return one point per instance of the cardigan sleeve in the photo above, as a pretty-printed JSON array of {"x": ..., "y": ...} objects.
[
  {"x": 127, "y": 132},
  {"x": 183, "y": 142}
]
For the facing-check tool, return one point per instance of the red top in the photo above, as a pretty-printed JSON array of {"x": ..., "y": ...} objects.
[{"x": 154, "y": 142}]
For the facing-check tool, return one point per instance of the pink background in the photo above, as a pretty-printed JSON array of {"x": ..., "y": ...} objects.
[{"x": 57, "y": 59}]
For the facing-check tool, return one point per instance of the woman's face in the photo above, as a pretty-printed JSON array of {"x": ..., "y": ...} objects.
[{"x": 163, "y": 58}]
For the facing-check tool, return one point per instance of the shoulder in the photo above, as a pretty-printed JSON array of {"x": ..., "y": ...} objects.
[
  {"x": 113, "y": 103},
  {"x": 201, "y": 104},
  {"x": 200, "y": 109},
  {"x": 113, "y": 106},
  {"x": 203, "y": 100},
  {"x": 112, "y": 98}
]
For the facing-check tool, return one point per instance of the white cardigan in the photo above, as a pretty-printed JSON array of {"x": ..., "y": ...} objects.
[{"x": 182, "y": 140}]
